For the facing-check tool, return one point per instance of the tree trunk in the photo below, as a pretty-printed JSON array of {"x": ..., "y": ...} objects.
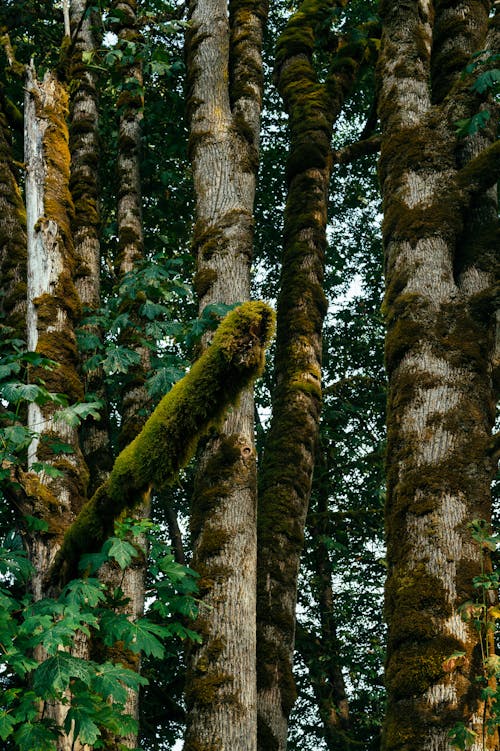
[
  {"x": 84, "y": 187},
  {"x": 53, "y": 306},
  {"x": 321, "y": 654},
  {"x": 225, "y": 85},
  {"x": 12, "y": 235},
  {"x": 439, "y": 308},
  {"x": 287, "y": 467}
]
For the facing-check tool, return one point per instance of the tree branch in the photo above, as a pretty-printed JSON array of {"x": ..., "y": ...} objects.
[
  {"x": 170, "y": 436},
  {"x": 354, "y": 151}
]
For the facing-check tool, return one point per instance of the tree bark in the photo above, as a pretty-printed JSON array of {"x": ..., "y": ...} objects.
[
  {"x": 53, "y": 306},
  {"x": 12, "y": 235},
  {"x": 289, "y": 453},
  {"x": 440, "y": 310},
  {"x": 84, "y": 186},
  {"x": 224, "y": 101}
]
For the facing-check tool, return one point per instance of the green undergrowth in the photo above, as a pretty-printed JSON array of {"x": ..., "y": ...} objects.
[{"x": 94, "y": 692}]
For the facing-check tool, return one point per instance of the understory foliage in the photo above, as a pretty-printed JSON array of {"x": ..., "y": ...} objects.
[{"x": 149, "y": 315}]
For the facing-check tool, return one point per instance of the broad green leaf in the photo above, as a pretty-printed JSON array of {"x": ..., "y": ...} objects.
[
  {"x": 49, "y": 470},
  {"x": 473, "y": 124},
  {"x": 490, "y": 79},
  {"x": 85, "y": 728},
  {"x": 92, "y": 562},
  {"x": 85, "y": 592},
  {"x": 34, "y": 524},
  {"x": 6, "y": 724},
  {"x": 120, "y": 360},
  {"x": 75, "y": 414},
  {"x": 121, "y": 551},
  {"x": 53, "y": 676},
  {"x": 35, "y": 735}
]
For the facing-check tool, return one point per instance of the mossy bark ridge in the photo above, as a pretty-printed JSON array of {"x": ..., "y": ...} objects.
[
  {"x": 289, "y": 453},
  {"x": 168, "y": 440},
  {"x": 439, "y": 308},
  {"x": 224, "y": 101},
  {"x": 130, "y": 106}
]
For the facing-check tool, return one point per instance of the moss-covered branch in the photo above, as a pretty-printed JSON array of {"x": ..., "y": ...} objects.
[{"x": 169, "y": 437}]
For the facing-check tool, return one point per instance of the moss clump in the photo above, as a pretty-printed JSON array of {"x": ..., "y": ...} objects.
[
  {"x": 413, "y": 669},
  {"x": 207, "y": 690},
  {"x": 203, "y": 281}
]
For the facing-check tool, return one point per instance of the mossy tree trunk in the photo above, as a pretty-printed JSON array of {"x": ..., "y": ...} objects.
[
  {"x": 53, "y": 307},
  {"x": 286, "y": 474},
  {"x": 12, "y": 234},
  {"x": 224, "y": 100},
  {"x": 134, "y": 400},
  {"x": 441, "y": 243},
  {"x": 84, "y": 185}
]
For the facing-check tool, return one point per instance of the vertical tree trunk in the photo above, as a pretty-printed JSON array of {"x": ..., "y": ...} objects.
[
  {"x": 84, "y": 187},
  {"x": 53, "y": 306},
  {"x": 225, "y": 85},
  {"x": 135, "y": 402},
  {"x": 286, "y": 474},
  {"x": 439, "y": 349},
  {"x": 321, "y": 654},
  {"x": 12, "y": 235}
]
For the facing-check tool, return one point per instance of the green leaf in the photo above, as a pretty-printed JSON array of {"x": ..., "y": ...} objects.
[
  {"x": 49, "y": 470},
  {"x": 6, "y": 724},
  {"x": 52, "y": 677},
  {"x": 75, "y": 414},
  {"x": 92, "y": 562},
  {"x": 84, "y": 592},
  {"x": 121, "y": 551},
  {"x": 141, "y": 636},
  {"x": 119, "y": 360},
  {"x": 34, "y": 524},
  {"x": 31, "y": 736},
  {"x": 110, "y": 680},
  {"x": 85, "y": 728},
  {"x": 490, "y": 79},
  {"x": 473, "y": 124}
]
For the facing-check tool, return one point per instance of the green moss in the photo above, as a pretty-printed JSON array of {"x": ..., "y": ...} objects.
[
  {"x": 208, "y": 240},
  {"x": 203, "y": 281},
  {"x": 208, "y": 690},
  {"x": 169, "y": 437},
  {"x": 413, "y": 669},
  {"x": 212, "y": 542}
]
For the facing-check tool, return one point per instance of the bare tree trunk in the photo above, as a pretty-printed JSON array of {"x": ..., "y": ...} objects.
[
  {"x": 439, "y": 350},
  {"x": 289, "y": 453},
  {"x": 53, "y": 306},
  {"x": 321, "y": 654},
  {"x": 224, "y": 100}
]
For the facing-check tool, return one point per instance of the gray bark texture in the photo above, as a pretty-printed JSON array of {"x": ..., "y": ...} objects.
[
  {"x": 224, "y": 100},
  {"x": 440, "y": 223}
]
